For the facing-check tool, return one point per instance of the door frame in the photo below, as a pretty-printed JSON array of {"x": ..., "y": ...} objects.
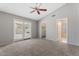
[
  {"x": 41, "y": 29},
  {"x": 61, "y": 19}
]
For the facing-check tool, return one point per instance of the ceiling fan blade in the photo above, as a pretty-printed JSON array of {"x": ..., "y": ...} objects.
[
  {"x": 43, "y": 9},
  {"x": 32, "y": 11},
  {"x": 38, "y": 12}
]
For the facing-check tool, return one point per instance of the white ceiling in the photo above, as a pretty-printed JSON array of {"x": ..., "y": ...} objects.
[{"x": 23, "y": 9}]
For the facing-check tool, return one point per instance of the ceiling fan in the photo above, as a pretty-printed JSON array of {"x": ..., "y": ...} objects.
[{"x": 37, "y": 8}]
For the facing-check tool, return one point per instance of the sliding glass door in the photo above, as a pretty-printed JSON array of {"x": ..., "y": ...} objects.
[
  {"x": 18, "y": 30},
  {"x": 27, "y": 30},
  {"x": 22, "y": 29}
]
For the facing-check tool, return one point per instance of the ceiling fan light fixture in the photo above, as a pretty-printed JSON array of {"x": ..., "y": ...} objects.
[{"x": 38, "y": 9}]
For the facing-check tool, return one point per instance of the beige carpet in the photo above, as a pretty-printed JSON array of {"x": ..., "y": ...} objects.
[{"x": 39, "y": 48}]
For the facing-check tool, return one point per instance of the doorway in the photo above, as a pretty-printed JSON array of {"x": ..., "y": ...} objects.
[
  {"x": 62, "y": 30},
  {"x": 43, "y": 30}
]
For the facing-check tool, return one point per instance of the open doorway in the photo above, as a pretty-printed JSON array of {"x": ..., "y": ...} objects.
[
  {"x": 43, "y": 30},
  {"x": 62, "y": 30}
]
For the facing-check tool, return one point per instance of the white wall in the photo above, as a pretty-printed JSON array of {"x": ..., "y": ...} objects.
[{"x": 72, "y": 12}]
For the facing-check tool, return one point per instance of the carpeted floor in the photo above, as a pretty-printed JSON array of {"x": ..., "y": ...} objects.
[{"x": 39, "y": 47}]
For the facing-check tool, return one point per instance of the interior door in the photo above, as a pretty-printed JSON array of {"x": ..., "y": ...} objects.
[{"x": 62, "y": 30}]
